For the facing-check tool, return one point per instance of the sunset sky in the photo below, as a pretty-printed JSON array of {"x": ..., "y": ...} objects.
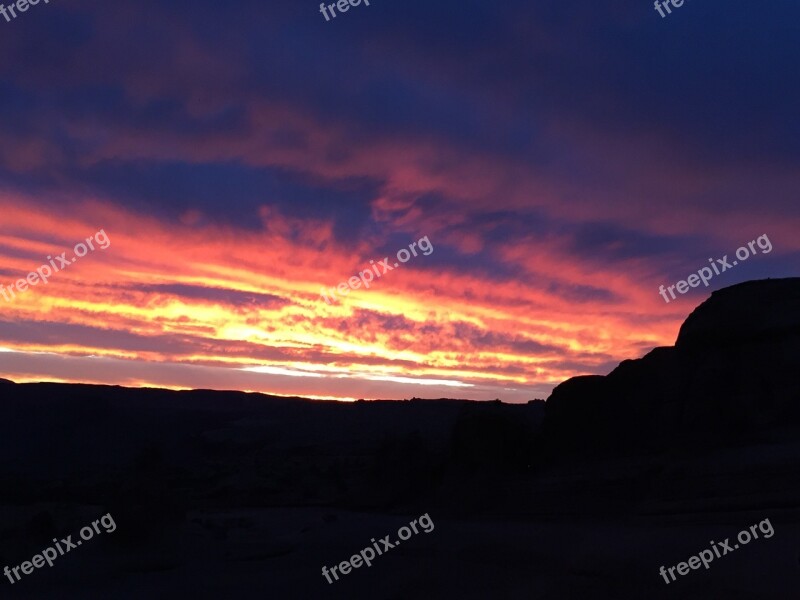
[{"x": 563, "y": 159}]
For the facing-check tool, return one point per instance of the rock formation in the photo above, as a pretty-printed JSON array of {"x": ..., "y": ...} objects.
[{"x": 732, "y": 375}]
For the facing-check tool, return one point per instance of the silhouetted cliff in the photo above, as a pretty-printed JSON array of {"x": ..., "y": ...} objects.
[{"x": 731, "y": 375}]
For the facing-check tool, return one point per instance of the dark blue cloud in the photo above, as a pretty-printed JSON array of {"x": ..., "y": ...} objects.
[{"x": 714, "y": 86}]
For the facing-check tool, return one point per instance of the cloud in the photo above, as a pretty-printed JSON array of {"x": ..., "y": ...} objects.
[{"x": 564, "y": 161}]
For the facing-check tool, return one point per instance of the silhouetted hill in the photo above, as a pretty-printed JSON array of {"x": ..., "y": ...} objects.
[{"x": 731, "y": 376}]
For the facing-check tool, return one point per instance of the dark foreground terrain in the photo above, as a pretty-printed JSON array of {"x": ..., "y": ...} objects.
[{"x": 232, "y": 495}]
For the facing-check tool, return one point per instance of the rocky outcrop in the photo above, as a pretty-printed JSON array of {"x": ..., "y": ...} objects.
[{"x": 732, "y": 374}]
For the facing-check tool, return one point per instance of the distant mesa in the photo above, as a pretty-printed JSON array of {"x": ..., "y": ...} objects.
[{"x": 732, "y": 373}]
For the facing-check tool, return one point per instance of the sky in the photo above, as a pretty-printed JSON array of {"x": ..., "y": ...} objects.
[{"x": 563, "y": 160}]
